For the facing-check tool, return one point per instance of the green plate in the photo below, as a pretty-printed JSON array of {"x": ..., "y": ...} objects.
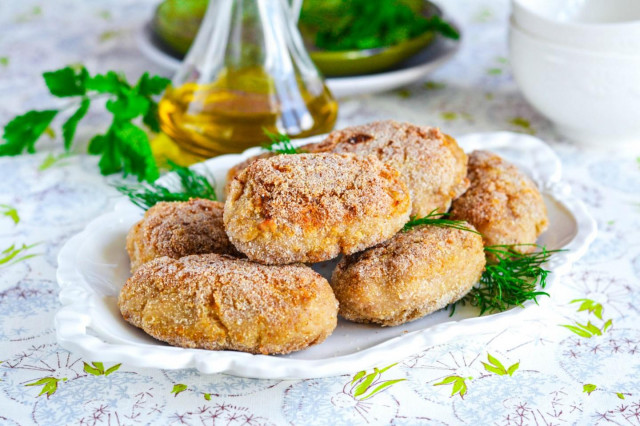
[{"x": 176, "y": 22}]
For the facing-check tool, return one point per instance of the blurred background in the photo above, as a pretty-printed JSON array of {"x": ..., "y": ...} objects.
[{"x": 473, "y": 91}]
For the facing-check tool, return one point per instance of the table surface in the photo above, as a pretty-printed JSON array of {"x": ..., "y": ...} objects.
[{"x": 560, "y": 377}]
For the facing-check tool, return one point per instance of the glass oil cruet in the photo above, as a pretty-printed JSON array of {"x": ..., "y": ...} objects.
[{"x": 247, "y": 71}]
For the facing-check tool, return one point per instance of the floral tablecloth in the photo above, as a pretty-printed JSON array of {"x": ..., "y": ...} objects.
[{"x": 533, "y": 372}]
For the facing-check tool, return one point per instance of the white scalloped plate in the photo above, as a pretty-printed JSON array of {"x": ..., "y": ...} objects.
[{"x": 94, "y": 265}]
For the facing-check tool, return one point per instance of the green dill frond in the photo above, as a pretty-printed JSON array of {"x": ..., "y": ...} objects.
[
  {"x": 509, "y": 279},
  {"x": 279, "y": 144},
  {"x": 193, "y": 185},
  {"x": 437, "y": 219}
]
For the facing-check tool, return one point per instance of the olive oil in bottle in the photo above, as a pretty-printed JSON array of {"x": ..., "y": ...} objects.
[{"x": 246, "y": 72}]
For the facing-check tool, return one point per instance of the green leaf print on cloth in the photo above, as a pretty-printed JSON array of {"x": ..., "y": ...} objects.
[
  {"x": 496, "y": 367},
  {"x": 364, "y": 385},
  {"x": 458, "y": 382},
  {"x": 49, "y": 385},
  {"x": 589, "y": 329}
]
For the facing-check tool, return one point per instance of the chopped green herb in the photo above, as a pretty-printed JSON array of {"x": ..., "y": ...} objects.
[
  {"x": 279, "y": 144},
  {"x": 193, "y": 185},
  {"x": 437, "y": 219},
  {"x": 494, "y": 71},
  {"x": 404, "y": 93},
  {"x": 484, "y": 15},
  {"x": 4, "y": 61},
  {"x": 523, "y": 124},
  {"x": 449, "y": 115},
  {"x": 434, "y": 85},
  {"x": 108, "y": 35},
  {"x": 10, "y": 212},
  {"x": 363, "y": 24},
  {"x": 53, "y": 160}
]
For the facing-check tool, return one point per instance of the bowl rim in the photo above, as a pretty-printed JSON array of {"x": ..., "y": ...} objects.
[
  {"x": 573, "y": 25},
  {"x": 515, "y": 27}
]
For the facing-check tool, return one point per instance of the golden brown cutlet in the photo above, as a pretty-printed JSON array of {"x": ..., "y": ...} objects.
[
  {"x": 502, "y": 203},
  {"x": 219, "y": 302},
  {"x": 432, "y": 164},
  {"x": 413, "y": 274},
  {"x": 178, "y": 229},
  {"x": 312, "y": 207}
]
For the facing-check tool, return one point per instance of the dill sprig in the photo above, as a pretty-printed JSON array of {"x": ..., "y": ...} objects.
[
  {"x": 193, "y": 184},
  {"x": 279, "y": 144},
  {"x": 509, "y": 279},
  {"x": 437, "y": 219}
]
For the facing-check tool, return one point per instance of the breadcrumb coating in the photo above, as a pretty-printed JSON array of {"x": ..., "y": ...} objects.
[
  {"x": 502, "y": 203},
  {"x": 178, "y": 229},
  {"x": 432, "y": 163},
  {"x": 219, "y": 302},
  {"x": 412, "y": 275},
  {"x": 312, "y": 207}
]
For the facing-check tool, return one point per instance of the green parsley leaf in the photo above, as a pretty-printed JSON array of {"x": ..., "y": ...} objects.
[
  {"x": 124, "y": 146},
  {"x": 151, "y": 85},
  {"x": 150, "y": 118},
  {"x": 106, "y": 145},
  {"x": 24, "y": 130},
  {"x": 137, "y": 158},
  {"x": 67, "y": 81},
  {"x": 106, "y": 83},
  {"x": 128, "y": 106},
  {"x": 69, "y": 127}
]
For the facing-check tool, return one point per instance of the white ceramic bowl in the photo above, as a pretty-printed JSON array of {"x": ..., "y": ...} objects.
[
  {"x": 611, "y": 26},
  {"x": 592, "y": 97}
]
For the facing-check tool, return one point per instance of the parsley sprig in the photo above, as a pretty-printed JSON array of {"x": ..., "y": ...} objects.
[
  {"x": 279, "y": 144},
  {"x": 509, "y": 279},
  {"x": 437, "y": 219},
  {"x": 124, "y": 147},
  {"x": 192, "y": 183}
]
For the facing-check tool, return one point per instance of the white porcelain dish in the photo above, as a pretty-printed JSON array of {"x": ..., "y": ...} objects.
[
  {"x": 611, "y": 26},
  {"x": 94, "y": 265},
  {"x": 592, "y": 97},
  {"x": 413, "y": 69}
]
